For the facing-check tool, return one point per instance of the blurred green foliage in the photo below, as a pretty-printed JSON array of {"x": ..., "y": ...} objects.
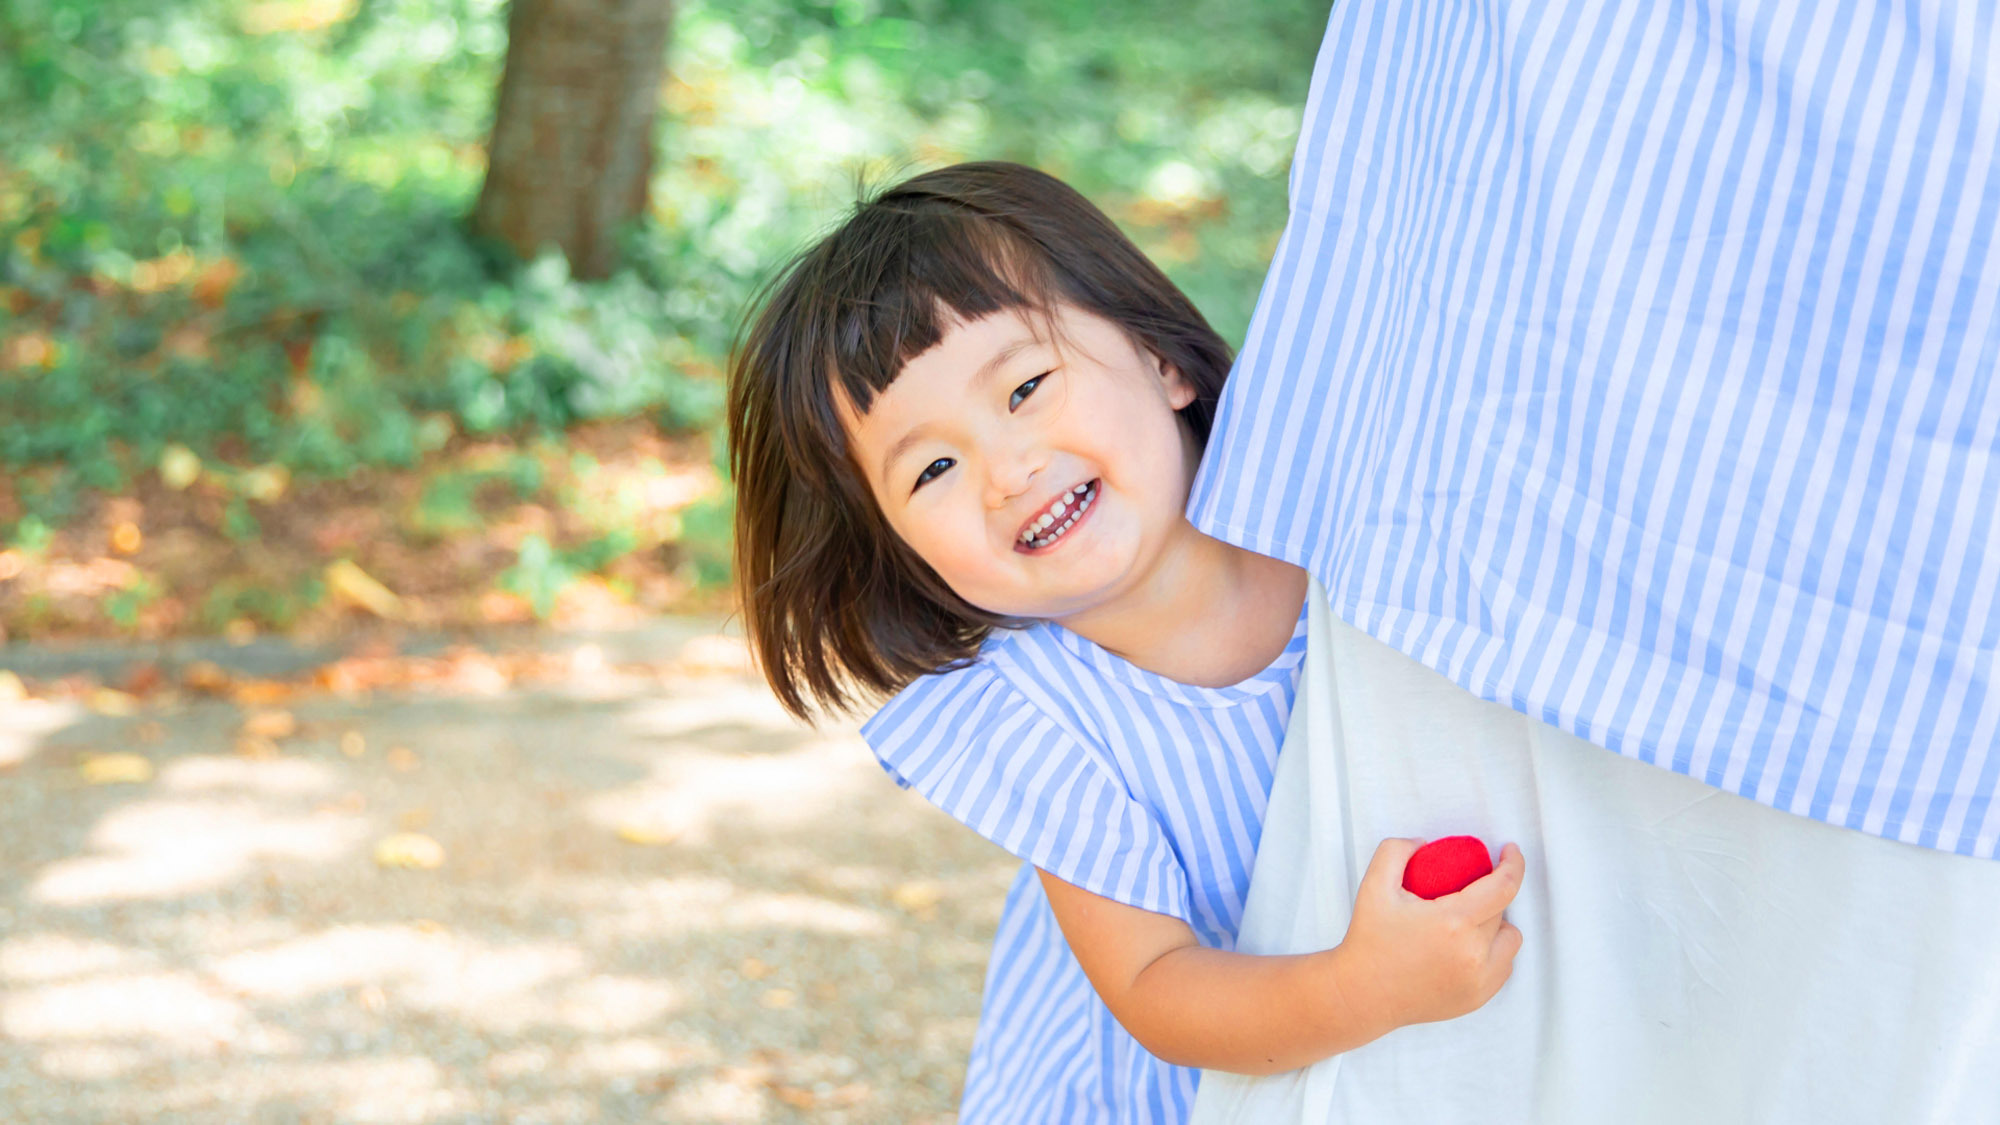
[{"x": 237, "y": 224}]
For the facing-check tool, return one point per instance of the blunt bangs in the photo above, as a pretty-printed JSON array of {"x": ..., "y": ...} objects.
[{"x": 923, "y": 268}]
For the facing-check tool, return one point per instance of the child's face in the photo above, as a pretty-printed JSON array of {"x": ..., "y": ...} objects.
[{"x": 980, "y": 437}]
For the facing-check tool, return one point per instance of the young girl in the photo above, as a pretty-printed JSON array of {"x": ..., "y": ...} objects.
[{"x": 963, "y": 429}]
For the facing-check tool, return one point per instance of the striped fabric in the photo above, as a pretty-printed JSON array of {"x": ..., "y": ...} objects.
[
  {"x": 1632, "y": 365},
  {"x": 1120, "y": 781}
]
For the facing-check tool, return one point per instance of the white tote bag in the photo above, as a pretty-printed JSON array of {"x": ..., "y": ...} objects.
[{"x": 1688, "y": 956}]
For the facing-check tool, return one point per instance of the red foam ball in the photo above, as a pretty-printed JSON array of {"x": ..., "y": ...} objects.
[{"x": 1446, "y": 866}]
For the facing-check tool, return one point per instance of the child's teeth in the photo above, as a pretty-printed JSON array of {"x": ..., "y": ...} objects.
[{"x": 1068, "y": 508}]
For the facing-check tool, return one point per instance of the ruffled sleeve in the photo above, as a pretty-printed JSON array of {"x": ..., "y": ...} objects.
[{"x": 975, "y": 746}]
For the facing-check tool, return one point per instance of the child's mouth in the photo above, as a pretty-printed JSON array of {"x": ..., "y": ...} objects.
[{"x": 1048, "y": 529}]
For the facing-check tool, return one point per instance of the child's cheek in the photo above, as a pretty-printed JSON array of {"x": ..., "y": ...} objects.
[{"x": 946, "y": 548}]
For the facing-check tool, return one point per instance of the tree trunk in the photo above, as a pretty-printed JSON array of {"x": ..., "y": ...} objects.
[{"x": 572, "y": 141}]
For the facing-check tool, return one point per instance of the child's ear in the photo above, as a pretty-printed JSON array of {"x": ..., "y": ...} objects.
[{"x": 1180, "y": 389}]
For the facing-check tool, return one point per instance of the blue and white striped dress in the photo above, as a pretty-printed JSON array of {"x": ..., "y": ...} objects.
[
  {"x": 1123, "y": 782},
  {"x": 1634, "y": 365}
]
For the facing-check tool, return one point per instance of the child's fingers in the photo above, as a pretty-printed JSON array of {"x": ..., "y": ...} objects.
[
  {"x": 1500, "y": 955},
  {"x": 1391, "y": 856},
  {"x": 1487, "y": 897}
]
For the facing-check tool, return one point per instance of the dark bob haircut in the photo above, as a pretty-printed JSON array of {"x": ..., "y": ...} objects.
[{"x": 837, "y": 607}]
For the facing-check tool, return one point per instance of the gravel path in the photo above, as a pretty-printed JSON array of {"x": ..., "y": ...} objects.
[{"x": 655, "y": 898}]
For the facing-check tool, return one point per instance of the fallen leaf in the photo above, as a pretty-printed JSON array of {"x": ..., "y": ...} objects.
[
  {"x": 798, "y": 1097},
  {"x": 115, "y": 769},
  {"x": 252, "y": 693},
  {"x": 205, "y": 676},
  {"x": 778, "y": 998},
  {"x": 265, "y": 483},
  {"x": 30, "y": 349},
  {"x": 352, "y": 744},
  {"x": 919, "y": 898},
  {"x": 648, "y": 835},
  {"x": 256, "y": 749},
  {"x": 754, "y": 969},
  {"x": 412, "y": 850},
  {"x": 402, "y": 759},
  {"x": 271, "y": 724},
  {"x": 748, "y": 1079},
  {"x": 144, "y": 679},
  {"x": 352, "y": 585},
  {"x": 126, "y": 538},
  {"x": 213, "y": 283},
  {"x": 156, "y": 275},
  {"x": 500, "y": 607},
  {"x": 339, "y": 677},
  {"x": 111, "y": 701},
  {"x": 851, "y": 1093}
]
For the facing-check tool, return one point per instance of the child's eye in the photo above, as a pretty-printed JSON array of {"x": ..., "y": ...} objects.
[
  {"x": 931, "y": 471},
  {"x": 1024, "y": 390}
]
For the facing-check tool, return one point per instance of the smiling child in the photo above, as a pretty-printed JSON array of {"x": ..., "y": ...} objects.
[{"x": 963, "y": 429}]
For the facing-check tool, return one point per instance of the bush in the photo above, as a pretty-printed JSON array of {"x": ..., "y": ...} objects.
[{"x": 238, "y": 227}]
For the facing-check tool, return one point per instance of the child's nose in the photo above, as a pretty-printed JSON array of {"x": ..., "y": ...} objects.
[{"x": 1010, "y": 474}]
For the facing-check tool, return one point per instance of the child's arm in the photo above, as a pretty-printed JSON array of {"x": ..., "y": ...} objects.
[{"x": 1403, "y": 961}]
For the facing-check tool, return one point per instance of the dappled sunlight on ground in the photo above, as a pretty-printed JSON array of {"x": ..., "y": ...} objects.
[
  {"x": 695, "y": 791},
  {"x": 169, "y": 1007},
  {"x": 27, "y": 722},
  {"x": 386, "y": 1089},
  {"x": 649, "y": 898},
  {"x": 707, "y": 905},
  {"x": 168, "y": 848}
]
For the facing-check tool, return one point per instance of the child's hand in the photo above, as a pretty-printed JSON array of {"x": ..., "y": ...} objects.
[{"x": 1411, "y": 961}]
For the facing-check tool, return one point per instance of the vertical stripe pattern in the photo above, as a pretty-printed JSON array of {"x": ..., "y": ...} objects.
[
  {"x": 1632, "y": 365},
  {"x": 1125, "y": 783}
]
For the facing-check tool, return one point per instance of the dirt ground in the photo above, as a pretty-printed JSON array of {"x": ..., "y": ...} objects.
[{"x": 627, "y": 889}]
